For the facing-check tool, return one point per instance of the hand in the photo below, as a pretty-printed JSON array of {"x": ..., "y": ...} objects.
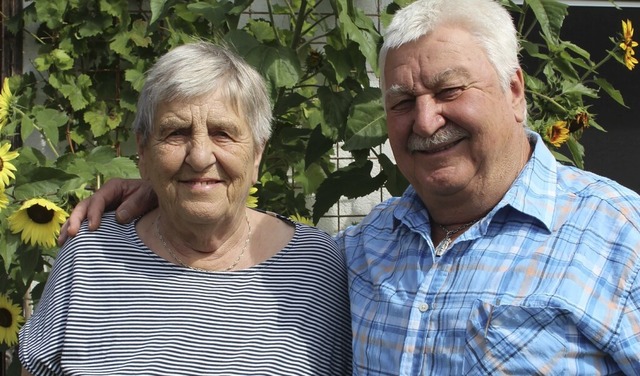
[{"x": 131, "y": 198}]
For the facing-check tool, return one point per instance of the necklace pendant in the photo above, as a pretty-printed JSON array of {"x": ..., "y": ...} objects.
[{"x": 443, "y": 246}]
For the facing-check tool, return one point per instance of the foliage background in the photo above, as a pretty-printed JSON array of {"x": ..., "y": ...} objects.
[{"x": 70, "y": 116}]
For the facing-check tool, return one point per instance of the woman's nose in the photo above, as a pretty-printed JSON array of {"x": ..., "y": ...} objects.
[{"x": 201, "y": 153}]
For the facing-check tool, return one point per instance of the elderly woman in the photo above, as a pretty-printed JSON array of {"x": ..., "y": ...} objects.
[{"x": 201, "y": 285}]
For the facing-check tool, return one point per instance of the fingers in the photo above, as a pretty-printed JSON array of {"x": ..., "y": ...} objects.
[
  {"x": 92, "y": 208},
  {"x": 132, "y": 197},
  {"x": 139, "y": 198},
  {"x": 72, "y": 225}
]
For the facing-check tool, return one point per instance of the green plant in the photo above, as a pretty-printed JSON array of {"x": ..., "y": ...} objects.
[{"x": 64, "y": 125}]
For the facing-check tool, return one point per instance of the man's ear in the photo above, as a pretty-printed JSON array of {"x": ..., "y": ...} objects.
[{"x": 518, "y": 102}]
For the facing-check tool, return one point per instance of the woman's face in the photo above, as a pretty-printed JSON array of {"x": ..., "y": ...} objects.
[{"x": 200, "y": 159}]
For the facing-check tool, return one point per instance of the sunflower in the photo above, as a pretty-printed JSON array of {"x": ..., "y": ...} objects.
[
  {"x": 6, "y": 168},
  {"x": 301, "y": 219},
  {"x": 628, "y": 44},
  {"x": 629, "y": 60},
  {"x": 252, "y": 201},
  {"x": 4, "y": 200},
  {"x": 558, "y": 133},
  {"x": 580, "y": 121},
  {"x": 39, "y": 221},
  {"x": 5, "y": 102},
  {"x": 10, "y": 320}
]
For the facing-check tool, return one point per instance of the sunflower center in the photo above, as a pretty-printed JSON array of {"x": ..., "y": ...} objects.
[
  {"x": 40, "y": 214},
  {"x": 6, "y": 319}
]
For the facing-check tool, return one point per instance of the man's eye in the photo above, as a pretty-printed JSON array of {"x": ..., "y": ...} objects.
[
  {"x": 403, "y": 104},
  {"x": 450, "y": 93}
]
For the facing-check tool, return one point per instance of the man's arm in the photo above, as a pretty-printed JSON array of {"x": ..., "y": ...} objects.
[{"x": 130, "y": 197}]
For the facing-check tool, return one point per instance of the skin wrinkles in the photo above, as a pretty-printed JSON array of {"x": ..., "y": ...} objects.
[
  {"x": 452, "y": 78},
  {"x": 445, "y": 79},
  {"x": 201, "y": 161}
]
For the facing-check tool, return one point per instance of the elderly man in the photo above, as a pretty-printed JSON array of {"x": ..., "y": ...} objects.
[{"x": 497, "y": 259}]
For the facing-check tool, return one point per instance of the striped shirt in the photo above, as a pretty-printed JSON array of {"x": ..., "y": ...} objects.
[
  {"x": 113, "y": 307},
  {"x": 545, "y": 284}
]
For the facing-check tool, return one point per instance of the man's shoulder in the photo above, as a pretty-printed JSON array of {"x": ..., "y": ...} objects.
[{"x": 586, "y": 184}]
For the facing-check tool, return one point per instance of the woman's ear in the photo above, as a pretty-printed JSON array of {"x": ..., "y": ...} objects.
[
  {"x": 257, "y": 158},
  {"x": 141, "y": 159}
]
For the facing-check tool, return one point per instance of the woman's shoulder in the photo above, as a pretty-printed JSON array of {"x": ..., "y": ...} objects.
[{"x": 110, "y": 235}]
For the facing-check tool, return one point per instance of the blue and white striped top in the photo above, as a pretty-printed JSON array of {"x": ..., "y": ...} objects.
[{"x": 113, "y": 307}]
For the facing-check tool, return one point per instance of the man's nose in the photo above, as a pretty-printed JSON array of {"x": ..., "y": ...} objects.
[{"x": 428, "y": 116}]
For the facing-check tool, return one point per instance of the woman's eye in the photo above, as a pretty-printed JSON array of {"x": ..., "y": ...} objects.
[{"x": 179, "y": 132}]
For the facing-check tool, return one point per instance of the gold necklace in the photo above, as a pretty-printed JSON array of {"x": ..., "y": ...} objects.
[
  {"x": 446, "y": 242},
  {"x": 182, "y": 263}
]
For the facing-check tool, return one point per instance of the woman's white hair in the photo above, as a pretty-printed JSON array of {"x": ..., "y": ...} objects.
[
  {"x": 199, "y": 68},
  {"x": 488, "y": 21}
]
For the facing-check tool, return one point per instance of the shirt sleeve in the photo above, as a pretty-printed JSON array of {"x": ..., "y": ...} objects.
[
  {"x": 627, "y": 351},
  {"x": 42, "y": 337}
]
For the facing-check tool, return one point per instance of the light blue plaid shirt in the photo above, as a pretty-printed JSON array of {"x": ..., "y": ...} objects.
[{"x": 546, "y": 283}]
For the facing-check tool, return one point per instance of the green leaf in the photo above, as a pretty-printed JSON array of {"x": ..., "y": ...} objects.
[
  {"x": 120, "y": 45},
  {"x": 366, "y": 122},
  {"x": 609, "y": 89},
  {"x": 262, "y": 30},
  {"x": 562, "y": 158},
  {"x": 8, "y": 250},
  {"x": 26, "y": 127},
  {"x": 396, "y": 182},
  {"x": 359, "y": 28},
  {"x": 351, "y": 181},
  {"x": 288, "y": 102},
  {"x": 120, "y": 167},
  {"x": 213, "y": 12},
  {"x": 114, "y": 8},
  {"x": 135, "y": 76},
  {"x": 138, "y": 34},
  {"x": 340, "y": 62},
  {"x": 242, "y": 42},
  {"x": 42, "y": 63},
  {"x": 279, "y": 65},
  {"x": 157, "y": 9},
  {"x": 49, "y": 120},
  {"x": 51, "y": 12},
  {"x": 97, "y": 119},
  {"x": 550, "y": 14},
  {"x": 335, "y": 107},
  {"x": 309, "y": 178},
  {"x": 577, "y": 89},
  {"x": 317, "y": 147},
  {"x": 577, "y": 151},
  {"x": 39, "y": 182},
  {"x": 74, "y": 89},
  {"x": 61, "y": 59}
]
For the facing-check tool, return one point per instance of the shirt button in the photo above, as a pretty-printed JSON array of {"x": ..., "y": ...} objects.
[{"x": 423, "y": 307}]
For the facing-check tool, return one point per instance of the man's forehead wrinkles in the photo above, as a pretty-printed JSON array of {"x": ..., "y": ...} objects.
[{"x": 444, "y": 76}]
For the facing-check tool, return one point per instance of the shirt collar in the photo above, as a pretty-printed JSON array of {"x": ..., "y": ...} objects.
[{"x": 533, "y": 193}]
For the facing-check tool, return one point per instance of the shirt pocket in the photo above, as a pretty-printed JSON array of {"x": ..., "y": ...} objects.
[{"x": 515, "y": 340}]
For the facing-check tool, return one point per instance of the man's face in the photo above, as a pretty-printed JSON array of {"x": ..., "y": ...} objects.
[{"x": 455, "y": 133}]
